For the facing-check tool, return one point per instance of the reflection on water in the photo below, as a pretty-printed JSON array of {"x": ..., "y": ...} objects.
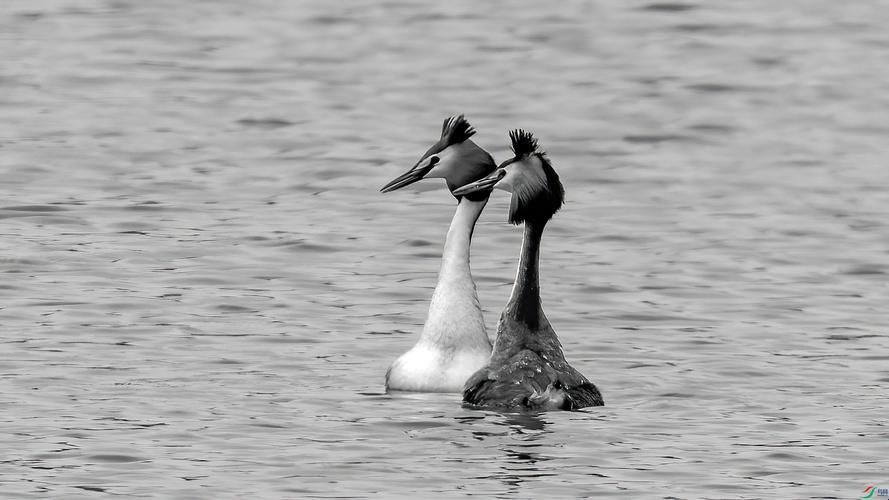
[{"x": 202, "y": 288}]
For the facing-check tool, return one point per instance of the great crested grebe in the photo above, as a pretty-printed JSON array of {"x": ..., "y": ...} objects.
[
  {"x": 454, "y": 343},
  {"x": 527, "y": 369}
]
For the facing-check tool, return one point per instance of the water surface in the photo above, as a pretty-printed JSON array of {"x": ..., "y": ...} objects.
[{"x": 201, "y": 288}]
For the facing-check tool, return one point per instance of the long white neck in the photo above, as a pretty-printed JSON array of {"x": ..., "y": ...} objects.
[
  {"x": 455, "y": 318},
  {"x": 455, "y": 256}
]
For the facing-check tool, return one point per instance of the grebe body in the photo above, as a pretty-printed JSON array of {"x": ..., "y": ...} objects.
[
  {"x": 527, "y": 369},
  {"x": 454, "y": 342}
]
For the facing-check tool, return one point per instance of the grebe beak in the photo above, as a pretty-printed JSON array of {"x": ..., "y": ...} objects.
[
  {"x": 484, "y": 184},
  {"x": 411, "y": 176}
]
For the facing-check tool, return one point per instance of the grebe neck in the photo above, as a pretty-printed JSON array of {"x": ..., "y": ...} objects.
[
  {"x": 455, "y": 256},
  {"x": 455, "y": 318},
  {"x": 524, "y": 302},
  {"x": 454, "y": 343}
]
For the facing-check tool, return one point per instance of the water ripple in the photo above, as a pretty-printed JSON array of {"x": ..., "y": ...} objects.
[{"x": 202, "y": 287}]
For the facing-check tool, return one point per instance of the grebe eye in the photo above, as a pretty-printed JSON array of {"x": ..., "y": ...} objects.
[{"x": 433, "y": 160}]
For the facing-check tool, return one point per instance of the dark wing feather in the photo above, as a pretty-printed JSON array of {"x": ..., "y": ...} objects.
[
  {"x": 477, "y": 389},
  {"x": 526, "y": 381},
  {"x": 584, "y": 395},
  {"x": 507, "y": 386}
]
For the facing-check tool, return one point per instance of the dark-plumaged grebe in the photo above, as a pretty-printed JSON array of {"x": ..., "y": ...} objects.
[
  {"x": 454, "y": 343},
  {"x": 527, "y": 369}
]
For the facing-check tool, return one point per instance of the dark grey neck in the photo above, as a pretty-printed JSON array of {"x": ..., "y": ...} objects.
[{"x": 524, "y": 303}]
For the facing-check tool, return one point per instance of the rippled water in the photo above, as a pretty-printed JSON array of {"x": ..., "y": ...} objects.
[{"x": 202, "y": 288}]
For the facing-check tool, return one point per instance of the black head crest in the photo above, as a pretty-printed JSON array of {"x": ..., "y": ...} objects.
[
  {"x": 542, "y": 196},
  {"x": 523, "y": 143},
  {"x": 455, "y": 130}
]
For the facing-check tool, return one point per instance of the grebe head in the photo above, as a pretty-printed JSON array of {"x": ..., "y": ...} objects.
[
  {"x": 454, "y": 158},
  {"x": 537, "y": 193}
]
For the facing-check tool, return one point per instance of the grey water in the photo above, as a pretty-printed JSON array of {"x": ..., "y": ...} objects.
[{"x": 201, "y": 287}]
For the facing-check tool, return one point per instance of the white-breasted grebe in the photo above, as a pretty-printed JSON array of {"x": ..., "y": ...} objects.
[
  {"x": 454, "y": 343},
  {"x": 527, "y": 369}
]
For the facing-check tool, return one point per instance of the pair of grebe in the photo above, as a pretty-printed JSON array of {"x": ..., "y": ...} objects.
[{"x": 527, "y": 368}]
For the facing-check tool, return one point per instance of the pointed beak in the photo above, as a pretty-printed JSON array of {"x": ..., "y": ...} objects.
[
  {"x": 411, "y": 176},
  {"x": 484, "y": 184}
]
